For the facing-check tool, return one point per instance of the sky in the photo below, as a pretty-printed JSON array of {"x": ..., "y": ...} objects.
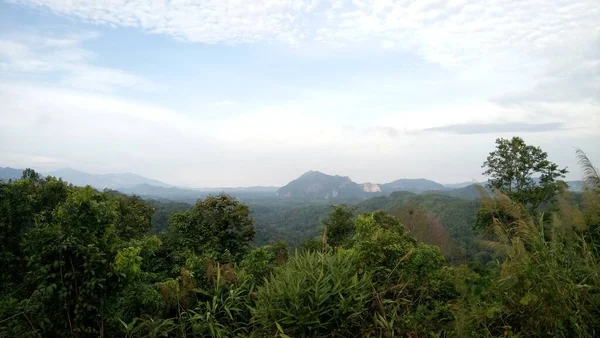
[{"x": 224, "y": 93}]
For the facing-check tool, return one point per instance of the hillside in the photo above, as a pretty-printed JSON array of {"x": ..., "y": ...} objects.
[
  {"x": 413, "y": 185},
  {"x": 296, "y": 222},
  {"x": 192, "y": 195},
  {"x": 103, "y": 181},
  {"x": 314, "y": 185},
  {"x": 7, "y": 173}
]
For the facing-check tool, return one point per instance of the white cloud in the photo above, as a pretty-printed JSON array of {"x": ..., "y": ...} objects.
[
  {"x": 537, "y": 60},
  {"x": 63, "y": 57},
  {"x": 52, "y": 128},
  {"x": 495, "y": 40}
]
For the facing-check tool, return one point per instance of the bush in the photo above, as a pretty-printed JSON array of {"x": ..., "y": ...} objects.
[{"x": 314, "y": 295}]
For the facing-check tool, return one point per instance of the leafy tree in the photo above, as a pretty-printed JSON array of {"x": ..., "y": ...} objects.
[
  {"x": 262, "y": 261},
  {"x": 513, "y": 168},
  {"x": 73, "y": 264},
  {"x": 218, "y": 226},
  {"x": 21, "y": 202},
  {"x": 135, "y": 217},
  {"x": 339, "y": 225}
]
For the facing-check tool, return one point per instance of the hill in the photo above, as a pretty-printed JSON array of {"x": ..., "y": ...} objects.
[
  {"x": 435, "y": 216},
  {"x": 7, "y": 173},
  {"x": 413, "y": 185},
  {"x": 192, "y": 195},
  {"x": 103, "y": 181},
  {"x": 314, "y": 185}
]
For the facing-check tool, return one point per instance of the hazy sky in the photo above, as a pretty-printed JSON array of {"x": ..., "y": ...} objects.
[{"x": 232, "y": 92}]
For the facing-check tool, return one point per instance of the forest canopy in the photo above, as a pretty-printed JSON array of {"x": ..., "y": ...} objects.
[{"x": 521, "y": 261}]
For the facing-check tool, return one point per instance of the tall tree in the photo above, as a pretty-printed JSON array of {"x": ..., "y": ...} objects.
[
  {"x": 218, "y": 225},
  {"x": 523, "y": 172},
  {"x": 339, "y": 225}
]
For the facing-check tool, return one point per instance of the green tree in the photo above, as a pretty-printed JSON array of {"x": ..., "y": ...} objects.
[
  {"x": 21, "y": 202},
  {"x": 135, "y": 216},
  {"x": 218, "y": 226},
  {"x": 72, "y": 267},
  {"x": 339, "y": 225},
  {"x": 513, "y": 168}
]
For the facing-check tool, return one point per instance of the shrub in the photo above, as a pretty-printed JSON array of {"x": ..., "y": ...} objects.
[{"x": 314, "y": 295}]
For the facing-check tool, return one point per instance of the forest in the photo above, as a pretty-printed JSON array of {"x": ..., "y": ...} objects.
[{"x": 521, "y": 260}]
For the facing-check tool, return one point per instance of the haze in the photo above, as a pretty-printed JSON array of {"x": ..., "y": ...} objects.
[{"x": 221, "y": 93}]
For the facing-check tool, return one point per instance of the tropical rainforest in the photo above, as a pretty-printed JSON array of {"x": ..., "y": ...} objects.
[{"x": 520, "y": 260}]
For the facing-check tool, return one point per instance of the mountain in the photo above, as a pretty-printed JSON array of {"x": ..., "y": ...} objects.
[
  {"x": 370, "y": 187},
  {"x": 461, "y": 185},
  {"x": 169, "y": 193},
  {"x": 575, "y": 186},
  {"x": 192, "y": 195},
  {"x": 110, "y": 181},
  {"x": 470, "y": 192},
  {"x": 315, "y": 185},
  {"x": 295, "y": 221},
  {"x": 413, "y": 185},
  {"x": 7, "y": 173}
]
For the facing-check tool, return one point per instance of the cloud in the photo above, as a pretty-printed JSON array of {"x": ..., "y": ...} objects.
[
  {"x": 498, "y": 128},
  {"x": 572, "y": 77},
  {"x": 62, "y": 57},
  {"x": 528, "y": 47},
  {"x": 472, "y": 69},
  {"x": 265, "y": 145}
]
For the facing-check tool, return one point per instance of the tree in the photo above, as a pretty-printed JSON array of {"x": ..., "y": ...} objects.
[
  {"x": 135, "y": 216},
  {"x": 523, "y": 172},
  {"x": 21, "y": 203},
  {"x": 218, "y": 225},
  {"x": 339, "y": 225},
  {"x": 72, "y": 265}
]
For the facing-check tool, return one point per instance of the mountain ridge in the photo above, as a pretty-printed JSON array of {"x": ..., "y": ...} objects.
[
  {"x": 312, "y": 185},
  {"x": 317, "y": 185}
]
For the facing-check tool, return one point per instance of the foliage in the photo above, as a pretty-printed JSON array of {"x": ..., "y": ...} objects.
[
  {"x": 77, "y": 262},
  {"x": 224, "y": 312},
  {"x": 413, "y": 285},
  {"x": 314, "y": 295},
  {"x": 548, "y": 283},
  {"x": 512, "y": 168},
  {"x": 219, "y": 226},
  {"x": 339, "y": 225},
  {"x": 261, "y": 262}
]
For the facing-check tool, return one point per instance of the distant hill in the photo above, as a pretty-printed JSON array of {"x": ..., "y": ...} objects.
[
  {"x": 192, "y": 195},
  {"x": 314, "y": 185},
  {"x": 461, "y": 185},
  {"x": 470, "y": 192},
  {"x": 295, "y": 221},
  {"x": 413, "y": 185},
  {"x": 7, "y": 173},
  {"x": 102, "y": 181},
  {"x": 575, "y": 186}
]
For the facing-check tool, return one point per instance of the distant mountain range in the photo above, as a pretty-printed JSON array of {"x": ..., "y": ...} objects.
[
  {"x": 103, "y": 181},
  {"x": 7, "y": 173},
  {"x": 315, "y": 185},
  {"x": 312, "y": 185},
  {"x": 130, "y": 183}
]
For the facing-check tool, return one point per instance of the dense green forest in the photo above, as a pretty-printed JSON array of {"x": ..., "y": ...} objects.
[{"x": 522, "y": 261}]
